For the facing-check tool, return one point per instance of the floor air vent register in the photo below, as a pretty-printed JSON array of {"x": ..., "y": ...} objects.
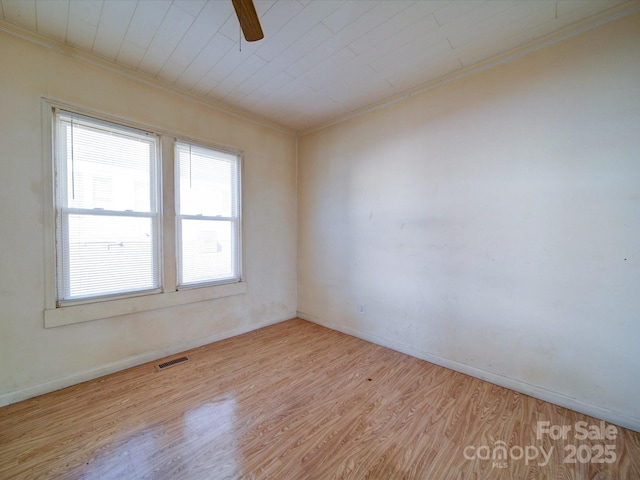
[{"x": 172, "y": 363}]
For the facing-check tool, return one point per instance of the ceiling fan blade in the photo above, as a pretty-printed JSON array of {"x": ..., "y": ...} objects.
[{"x": 248, "y": 19}]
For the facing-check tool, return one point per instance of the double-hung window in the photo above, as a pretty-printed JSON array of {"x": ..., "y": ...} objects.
[
  {"x": 208, "y": 220},
  {"x": 113, "y": 236},
  {"x": 107, "y": 212}
]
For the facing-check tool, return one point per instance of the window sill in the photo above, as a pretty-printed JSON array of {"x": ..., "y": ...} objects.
[{"x": 69, "y": 315}]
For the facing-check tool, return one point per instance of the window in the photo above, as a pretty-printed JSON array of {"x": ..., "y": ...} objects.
[
  {"x": 107, "y": 216},
  {"x": 112, "y": 248},
  {"x": 207, "y": 207}
]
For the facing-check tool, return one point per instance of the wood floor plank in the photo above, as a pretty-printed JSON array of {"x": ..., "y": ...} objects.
[{"x": 299, "y": 401}]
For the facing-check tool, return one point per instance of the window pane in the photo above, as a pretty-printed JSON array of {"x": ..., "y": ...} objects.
[
  {"x": 208, "y": 251},
  {"x": 106, "y": 169},
  {"x": 109, "y": 255},
  {"x": 207, "y": 182}
]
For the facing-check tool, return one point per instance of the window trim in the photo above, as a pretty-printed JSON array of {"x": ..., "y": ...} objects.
[{"x": 136, "y": 302}]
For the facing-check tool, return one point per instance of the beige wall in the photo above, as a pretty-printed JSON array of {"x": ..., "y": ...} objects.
[
  {"x": 492, "y": 224},
  {"x": 35, "y": 359}
]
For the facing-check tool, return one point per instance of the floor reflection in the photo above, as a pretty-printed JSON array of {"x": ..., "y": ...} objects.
[
  {"x": 210, "y": 428},
  {"x": 131, "y": 458},
  {"x": 198, "y": 445}
]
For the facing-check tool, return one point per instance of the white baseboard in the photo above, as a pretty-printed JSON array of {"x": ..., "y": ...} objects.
[
  {"x": 42, "y": 388},
  {"x": 541, "y": 393}
]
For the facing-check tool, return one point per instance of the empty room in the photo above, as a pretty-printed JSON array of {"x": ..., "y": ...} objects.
[{"x": 320, "y": 239}]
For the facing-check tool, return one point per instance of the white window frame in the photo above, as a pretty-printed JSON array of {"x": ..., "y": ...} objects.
[
  {"x": 63, "y": 211},
  {"x": 168, "y": 294},
  {"x": 235, "y": 219}
]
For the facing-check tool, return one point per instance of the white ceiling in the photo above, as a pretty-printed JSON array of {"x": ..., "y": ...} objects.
[{"x": 320, "y": 59}]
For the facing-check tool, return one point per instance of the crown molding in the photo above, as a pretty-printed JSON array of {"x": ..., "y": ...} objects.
[
  {"x": 614, "y": 13},
  {"x": 81, "y": 55}
]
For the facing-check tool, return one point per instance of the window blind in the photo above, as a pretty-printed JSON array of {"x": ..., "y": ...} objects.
[
  {"x": 208, "y": 210},
  {"x": 107, "y": 220}
]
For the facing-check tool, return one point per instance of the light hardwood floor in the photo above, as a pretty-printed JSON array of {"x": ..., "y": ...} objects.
[{"x": 299, "y": 401}]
